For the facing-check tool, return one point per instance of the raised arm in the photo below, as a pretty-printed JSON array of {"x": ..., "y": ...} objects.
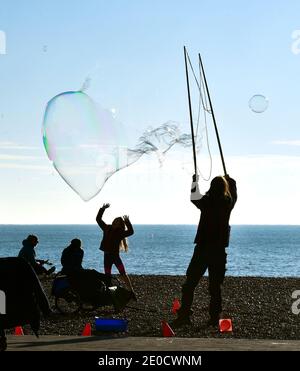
[
  {"x": 232, "y": 188},
  {"x": 196, "y": 196},
  {"x": 129, "y": 230},
  {"x": 99, "y": 220}
]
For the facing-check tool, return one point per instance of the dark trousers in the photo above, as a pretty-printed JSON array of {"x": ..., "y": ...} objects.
[{"x": 202, "y": 260}]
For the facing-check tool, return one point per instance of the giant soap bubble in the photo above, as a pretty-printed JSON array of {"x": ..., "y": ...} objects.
[
  {"x": 258, "y": 103},
  {"x": 82, "y": 141},
  {"x": 87, "y": 146}
]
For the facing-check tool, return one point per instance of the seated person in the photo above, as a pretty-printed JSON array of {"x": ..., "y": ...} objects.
[
  {"x": 71, "y": 258},
  {"x": 90, "y": 284},
  {"x": 27, "y": 252}
]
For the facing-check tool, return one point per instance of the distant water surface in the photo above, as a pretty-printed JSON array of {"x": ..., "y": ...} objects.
[{"x": 272, "y": 251}]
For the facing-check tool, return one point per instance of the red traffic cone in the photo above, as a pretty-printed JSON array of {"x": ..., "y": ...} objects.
[
  {"x": 175, "y": 305},
  {"x": 225, "y": 325},
  {"x": 19, "y": 331},
  {"x": 166, "y": 329},
  {"x": 87, "y": 331}
]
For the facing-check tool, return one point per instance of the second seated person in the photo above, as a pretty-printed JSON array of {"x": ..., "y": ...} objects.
[{"x": 88, "y": 282}]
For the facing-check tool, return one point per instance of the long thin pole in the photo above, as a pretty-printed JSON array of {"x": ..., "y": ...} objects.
[
  {"x": 213, "y": 116},
  {"x": 190, "y": 110}
]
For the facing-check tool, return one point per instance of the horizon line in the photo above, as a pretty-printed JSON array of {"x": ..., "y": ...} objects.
[{"x": 193, "y": 224}]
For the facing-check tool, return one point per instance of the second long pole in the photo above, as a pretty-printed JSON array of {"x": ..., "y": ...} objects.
[{"x": 213, "y": 116}]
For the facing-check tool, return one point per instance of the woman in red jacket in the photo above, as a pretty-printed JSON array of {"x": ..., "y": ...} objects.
[{"x": 113, "y": 241}]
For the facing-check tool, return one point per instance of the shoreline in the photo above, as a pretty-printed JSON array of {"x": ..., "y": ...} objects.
[
  {"x": 150, "y": 224},
  {"x": 260, "y": 308}
]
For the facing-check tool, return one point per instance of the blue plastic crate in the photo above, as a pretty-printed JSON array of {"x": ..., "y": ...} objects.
[{"x": 111, "y": 324}]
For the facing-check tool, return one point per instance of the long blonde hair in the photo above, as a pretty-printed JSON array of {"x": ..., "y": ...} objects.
[
  {"x": 124, "y": 245},
  {"x": 219, "y": 187},
  {"x": 122, "y": 226}
]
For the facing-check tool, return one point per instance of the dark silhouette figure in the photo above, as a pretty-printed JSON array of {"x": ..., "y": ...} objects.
[
  {"x": 90, "y": 284},
  {"x": 211, "y": 240},
  {"x": 71, "y": 258},
  {"x": 27, "y": 252},
  {"x": 113, "y": 241},
  {"x": 25, "y": 297}
]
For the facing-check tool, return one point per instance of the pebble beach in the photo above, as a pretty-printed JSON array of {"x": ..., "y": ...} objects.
[{"x": 260, "y": 308}]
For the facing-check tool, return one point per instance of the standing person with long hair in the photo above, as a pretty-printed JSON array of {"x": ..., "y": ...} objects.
[
  {"x": 211, "y": 240},
  {"x": 115, "y": 240}
]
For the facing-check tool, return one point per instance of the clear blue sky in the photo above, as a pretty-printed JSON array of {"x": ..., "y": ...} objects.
[{"x": 133, "y": 51}]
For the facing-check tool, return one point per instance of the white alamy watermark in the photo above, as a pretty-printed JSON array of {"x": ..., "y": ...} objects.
[
  {"x": 2, "y": 42},
  {"x": 295, "y": 47},
  {"x": 2, "y": 302},
  {"x": 296, "y": 304}
]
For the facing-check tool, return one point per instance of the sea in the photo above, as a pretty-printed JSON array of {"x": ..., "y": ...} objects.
[{"x": 254, "y": 250}]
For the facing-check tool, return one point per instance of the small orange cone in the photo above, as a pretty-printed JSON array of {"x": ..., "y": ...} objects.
[
  {"x": 87, "y": 331},
  {"x": 166, "y": 329},
  {"x": 225, "y": 325},
  {"x": 175, "y": 306},
  {"x": 19, "y": 331}
]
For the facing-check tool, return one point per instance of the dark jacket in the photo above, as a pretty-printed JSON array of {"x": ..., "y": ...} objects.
[
  {"x": 112, "y": 237},
  {"x": 213, "y": 228},
  {"x": 25, "y": 297},
  {"x": 27, "y": 252},
  {"x": 71, "y": 259}
]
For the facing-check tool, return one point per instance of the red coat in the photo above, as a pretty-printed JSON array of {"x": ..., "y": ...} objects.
[{"x": 112, "y": 237}]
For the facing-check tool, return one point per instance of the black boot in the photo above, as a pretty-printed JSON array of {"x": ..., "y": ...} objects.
[
  {"x": 213, "y": 321},
  {"x": 183, "y": 318},
  {"x": 3, "y": 344},
  {"x": 181, "y": 321}
]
